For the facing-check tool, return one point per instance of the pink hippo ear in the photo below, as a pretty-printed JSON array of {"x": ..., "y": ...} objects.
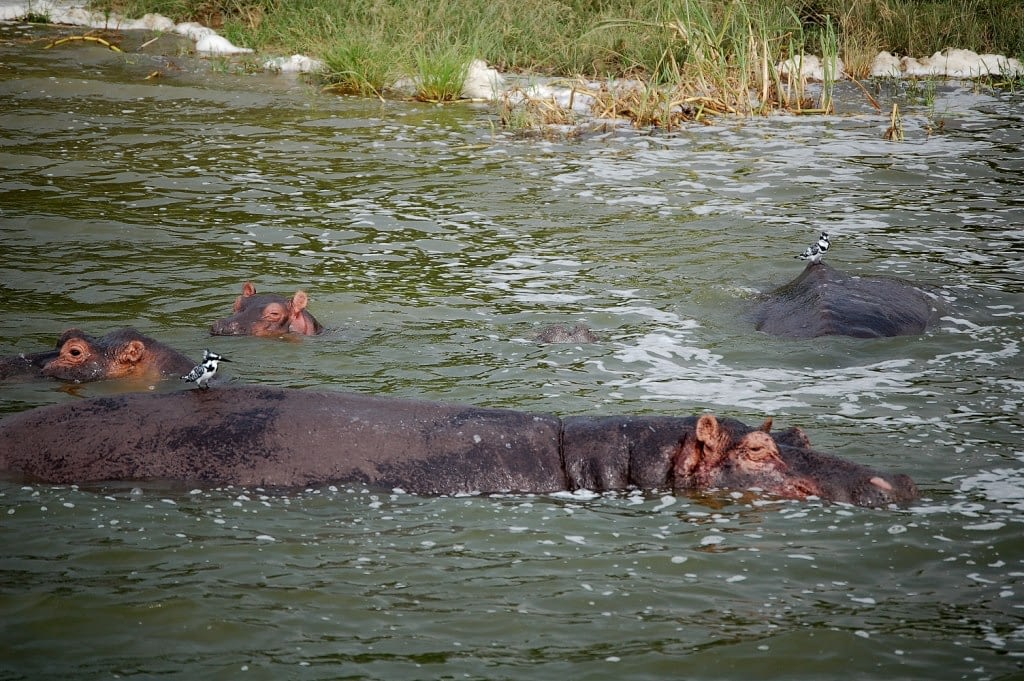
[
  {"x": 248, "y": 291},
  {"x": 700, "y": 452},
  {"x": 714, "y": 439},
  {"x": 126, "y": 360},
  {"x": 767, "y": 425},
  {"x": 132, "y": 352},
  {"x": 299, "y": 321}
]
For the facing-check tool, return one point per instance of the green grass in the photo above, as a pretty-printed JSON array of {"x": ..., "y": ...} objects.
[
  {"x": 696, "y": 56},
  {"x": 598, "y": 37}
]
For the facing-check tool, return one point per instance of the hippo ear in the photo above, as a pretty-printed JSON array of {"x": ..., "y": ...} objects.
[
  {"x": 712, "y": 438},
  {"x": 131, "y": 352},
  {"x": 767, "y": 425},
  {"x": 699, "y": 453},
  {"x": 301, "y": 321},
  {"x": 248, "y": 289},
  {"x": 299, "y": 302}
]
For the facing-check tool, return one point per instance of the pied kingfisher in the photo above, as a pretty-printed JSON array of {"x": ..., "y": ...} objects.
[
  {"x": 816, "y": 251},
  {"x": 202, "y": 373}
]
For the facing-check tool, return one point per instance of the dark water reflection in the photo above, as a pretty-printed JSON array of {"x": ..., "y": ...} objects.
[{"x": 433, "y": 247}]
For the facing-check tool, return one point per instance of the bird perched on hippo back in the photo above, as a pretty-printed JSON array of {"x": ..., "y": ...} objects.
[
  {"x": 203, "y": 372},
  {"x": 816, "y": 251}
]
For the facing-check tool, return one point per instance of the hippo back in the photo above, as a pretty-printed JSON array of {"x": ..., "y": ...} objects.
[
  {"x": 823, "y": 301},
  {"x": 285, "y": 438}
]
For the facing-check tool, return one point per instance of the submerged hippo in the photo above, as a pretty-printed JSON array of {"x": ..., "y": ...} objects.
[
  {"x": 268, "y": 315},
  {"x": 25, "y": 365},
  {"x": 81, "y": 358},
  {"x": 294, "y": 438},
  {"x": 823, "y": 301},
  {"x": 560, "y": 333}
]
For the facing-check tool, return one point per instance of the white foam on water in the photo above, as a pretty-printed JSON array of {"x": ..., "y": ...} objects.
[{"x": 1002, "y": 485}]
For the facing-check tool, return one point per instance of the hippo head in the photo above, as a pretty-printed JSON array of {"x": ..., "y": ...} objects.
[
  {"x": 82, "y": 358},
  {"x": 267, "y": 315},
  {"x": 560, "y": 333},
  {"x": 727, "y": 454}
]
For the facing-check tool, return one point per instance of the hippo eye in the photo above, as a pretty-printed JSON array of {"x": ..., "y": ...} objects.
[
  {"x": 75, "y": 352},
  {"x": 759, "y": 452}
]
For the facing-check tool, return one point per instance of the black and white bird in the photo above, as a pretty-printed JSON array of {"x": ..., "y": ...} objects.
[
  {"x": 816, "y": 251},
  {"x": 202, "y": 373}
]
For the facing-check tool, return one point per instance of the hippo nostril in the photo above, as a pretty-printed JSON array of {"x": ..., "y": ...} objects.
[
  {"x": 804, "y": 489},
  {"x": 881, "y": 483}
]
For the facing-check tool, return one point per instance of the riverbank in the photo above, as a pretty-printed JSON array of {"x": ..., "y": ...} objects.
[{"x": 666, "y": 64}]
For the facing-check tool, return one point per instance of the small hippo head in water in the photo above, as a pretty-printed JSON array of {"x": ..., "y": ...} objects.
[
  {"x": 560, "y": 333},
  {"x": 268, "y": 315},
  {"x": 719, "y": 455},
  {"x": 124, "y": 353}
]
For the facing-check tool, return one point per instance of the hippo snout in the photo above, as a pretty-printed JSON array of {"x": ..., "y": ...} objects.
[
  {"x": 227, "y": 327},
  {"x": 874, "y": 489}
]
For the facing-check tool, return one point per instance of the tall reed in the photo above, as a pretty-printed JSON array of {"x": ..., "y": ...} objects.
[{"x": 690, "y": 56}]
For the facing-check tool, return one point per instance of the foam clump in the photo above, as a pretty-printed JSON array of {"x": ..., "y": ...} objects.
[
  {"x": 810, "y": 67},
  {"x": 482, "y": 82},
  {"x": 207, "y": 40},
  {"x": 564, "y": 98},
  {"x": 297, "y": 63},
  {"x": 951, "y": 63},
  {"x": 71, "y": 14}
]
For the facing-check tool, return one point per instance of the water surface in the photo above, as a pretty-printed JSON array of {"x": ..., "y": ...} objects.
[{"x": 433, "y": 245}]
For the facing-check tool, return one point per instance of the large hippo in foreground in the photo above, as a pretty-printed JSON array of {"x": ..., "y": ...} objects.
[
  {"x": 824, "y": 301},
  {"x": 80, "y": 358},
  {"x": 294, "y": 438}
]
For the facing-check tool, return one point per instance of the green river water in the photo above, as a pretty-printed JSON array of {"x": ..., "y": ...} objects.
[{"x": 432, "y": 245}]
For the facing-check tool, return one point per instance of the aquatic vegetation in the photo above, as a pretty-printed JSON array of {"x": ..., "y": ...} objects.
[
  {"x": 441, "y": 71},
  {"x": 572, "y": 38},
  {"x": 688, "y": 58},
  {"x": 357, "y": 66}
]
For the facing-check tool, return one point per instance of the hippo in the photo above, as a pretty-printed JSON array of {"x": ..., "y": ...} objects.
[
  {"x": 560, "y": 333},
  {"x": 824, "y": 301},
  {"x": 81, "y": 358},
  {"x": 268, "y": 315},
  {"x": 293, "y": 438},
  {"x": 25, "y": 365}
]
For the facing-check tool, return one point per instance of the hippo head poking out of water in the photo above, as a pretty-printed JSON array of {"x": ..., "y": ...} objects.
[
  {"x": 268, "y": 315},
  {"x": 720, "y": 455},
  {"x": 81, "y": 358},
  {"x": 561, "y": 333}
]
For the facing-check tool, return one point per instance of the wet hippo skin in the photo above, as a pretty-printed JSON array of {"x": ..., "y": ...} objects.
[
  {"x": 824, "y": 301},
  {"x": 258, "y": 436},
  {"x": 81, "y": 358},
  {"x": 267, "y": 314}
]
